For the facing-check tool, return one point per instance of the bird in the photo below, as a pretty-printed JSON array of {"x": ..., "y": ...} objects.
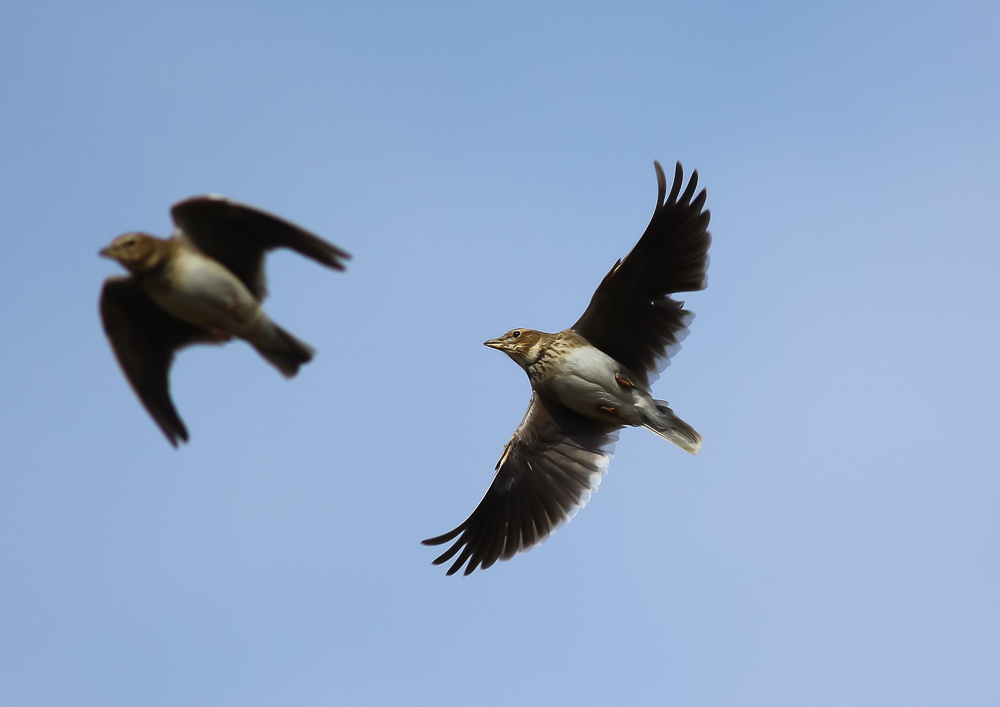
[
  {"x": 590, "y": 381},
  {"x": 204, "y": 284}
]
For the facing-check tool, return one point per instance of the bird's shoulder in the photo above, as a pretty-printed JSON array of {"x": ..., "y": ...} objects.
[{"x": 564, "y": 344}]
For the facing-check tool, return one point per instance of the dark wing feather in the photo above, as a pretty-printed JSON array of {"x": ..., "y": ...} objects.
[
  {"x": 548, "y": 470},
  {"x": 144, "y": 339},
  {"x": 631, "y": 316},
  {"x": 238, "y": 235}
]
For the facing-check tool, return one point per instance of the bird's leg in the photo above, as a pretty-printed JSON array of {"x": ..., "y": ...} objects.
[{"x": 623, "y": 382}]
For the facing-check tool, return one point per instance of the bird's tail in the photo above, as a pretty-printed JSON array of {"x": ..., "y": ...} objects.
[
  {"x": 672, "y": 428},
  {"x": 283, "y": 350}
]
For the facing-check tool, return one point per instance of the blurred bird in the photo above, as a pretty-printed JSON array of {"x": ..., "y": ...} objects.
[
  {"x": 588, "y": 382},
  {"x": 203, "y": 285}
]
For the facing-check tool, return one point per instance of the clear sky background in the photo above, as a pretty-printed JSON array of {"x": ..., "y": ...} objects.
[{"x": 835, "y": 543}]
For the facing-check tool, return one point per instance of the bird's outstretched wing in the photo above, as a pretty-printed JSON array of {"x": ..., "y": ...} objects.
[
  {"x": 238, "y": 235},
  {"x": 631, "y": 316},
  {"x": 548, "y": 470},
  {"x": 145, "y": 338}
]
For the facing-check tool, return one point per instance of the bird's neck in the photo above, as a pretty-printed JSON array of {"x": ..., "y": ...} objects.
[
  {"x": 539, "y": 356},
  {"x": 158, "y": 254}
]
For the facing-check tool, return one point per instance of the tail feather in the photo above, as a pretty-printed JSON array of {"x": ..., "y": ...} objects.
[
  {"x": 673, "y": 429},
  {"x": 284, "y": 351}
]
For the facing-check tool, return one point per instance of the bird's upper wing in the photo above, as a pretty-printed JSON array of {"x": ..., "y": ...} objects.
[
  {"x": 548, "y": 470},
  {"x": 631, "y": 316},
  {"x": 238, "y": 235},
  {"x": 145, "y": 338}
]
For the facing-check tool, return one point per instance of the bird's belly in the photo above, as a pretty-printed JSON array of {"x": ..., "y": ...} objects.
[
  {"x": 586, "y": 384},
  {"x": 199, "y": 291}
]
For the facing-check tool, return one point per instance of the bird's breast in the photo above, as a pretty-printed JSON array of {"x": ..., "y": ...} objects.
[
  {"x": 201, "y": 291},
  {"x": 583, "y": 379}
]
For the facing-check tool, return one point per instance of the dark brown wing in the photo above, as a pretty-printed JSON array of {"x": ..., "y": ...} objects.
[
  {"x": 238, "y": 235},
  {"x": 145, "y": 338},
  {"x": 631, "y": 317},
  {"x": 548, "y": 470}
]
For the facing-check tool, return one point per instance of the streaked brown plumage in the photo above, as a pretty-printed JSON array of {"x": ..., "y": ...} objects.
[
  {"x": 588, "y": 382},
  {"x": 203, "y": 285}
]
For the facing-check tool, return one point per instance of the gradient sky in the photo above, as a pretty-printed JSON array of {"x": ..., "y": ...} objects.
[{"x": 836, "y": 541}]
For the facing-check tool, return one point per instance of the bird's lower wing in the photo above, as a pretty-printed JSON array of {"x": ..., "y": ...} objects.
[
  {"x": 144, "y": 338},
  {"x": 548, "y": 470}
]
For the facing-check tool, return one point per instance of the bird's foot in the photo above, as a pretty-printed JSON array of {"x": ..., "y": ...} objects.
[
  {"x": 608, "y": 409},
  {"x": 219, "y": 335},
  {"x": 623, "y": 382}
]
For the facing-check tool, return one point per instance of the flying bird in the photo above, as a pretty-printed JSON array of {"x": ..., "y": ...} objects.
[
  {"x": 590, "y": 381},
  {"x": 204, "y": 284}
]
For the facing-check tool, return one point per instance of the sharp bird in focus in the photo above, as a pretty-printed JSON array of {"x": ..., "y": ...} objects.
[
  {"x": 590, "y": 381},
  {"x": 205, "y": 284}
]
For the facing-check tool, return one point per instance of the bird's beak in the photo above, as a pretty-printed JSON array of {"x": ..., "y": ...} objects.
[
  {"x": 494, "y": 344},
  {"x": 108, "y": 252}
]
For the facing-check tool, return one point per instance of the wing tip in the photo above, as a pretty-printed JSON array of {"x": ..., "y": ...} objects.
[
  {"x": 167, "y": 419},
  {"x": 438, "y": 540},
  {"x": 334, "y": 257}
]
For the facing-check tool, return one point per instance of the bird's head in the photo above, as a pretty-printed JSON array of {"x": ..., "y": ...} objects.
[
  {"x": 138, "y": 252},
  {"x": 523, "y": 345}
]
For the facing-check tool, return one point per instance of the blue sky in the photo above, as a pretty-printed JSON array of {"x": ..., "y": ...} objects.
[{"x": 835, "y": 542}]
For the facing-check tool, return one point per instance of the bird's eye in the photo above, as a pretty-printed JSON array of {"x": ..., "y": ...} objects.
[{"x": 515, "y": 334}]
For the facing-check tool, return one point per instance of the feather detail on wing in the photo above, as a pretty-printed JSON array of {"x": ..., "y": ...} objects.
[
  {"x": 144, "y": 338},
  {"x": 548, "y": 470},
  {"x": 631, "y": 316},
  {"x": 238, "y": 235}
]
